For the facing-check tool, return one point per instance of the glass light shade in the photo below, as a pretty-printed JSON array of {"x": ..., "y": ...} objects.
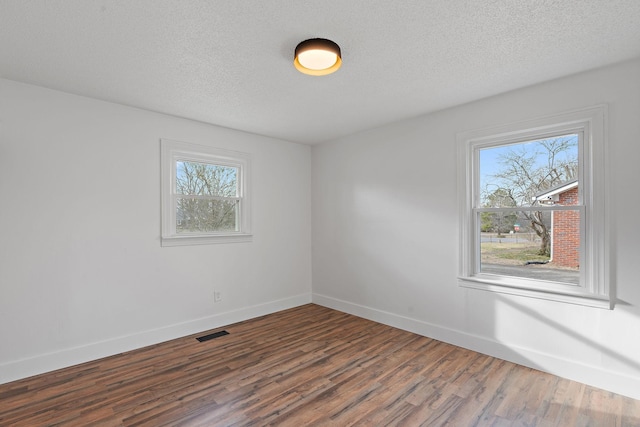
[{"x": 317, "y": 57}]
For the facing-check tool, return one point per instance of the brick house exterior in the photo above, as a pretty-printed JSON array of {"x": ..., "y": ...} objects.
[{"x": 565, "y": 235}]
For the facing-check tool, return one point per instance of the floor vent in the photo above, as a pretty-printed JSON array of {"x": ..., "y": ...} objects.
[{"x": 212, "y": 336}]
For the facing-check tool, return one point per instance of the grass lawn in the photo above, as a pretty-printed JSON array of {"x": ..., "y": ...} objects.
[{"x": 510, "y": 253}]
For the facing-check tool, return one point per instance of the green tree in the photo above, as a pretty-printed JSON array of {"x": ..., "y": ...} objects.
[{"x": 498, "y": 222}]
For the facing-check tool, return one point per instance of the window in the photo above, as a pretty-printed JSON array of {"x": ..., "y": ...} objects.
[
  {"x": 533, "y": 209},
  {"x": 205, "y": 195}
]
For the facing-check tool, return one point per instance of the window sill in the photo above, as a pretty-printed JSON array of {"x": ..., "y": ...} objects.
[
  {"x": 572, "y": 294},
  {"x": 209, "y": 239}
]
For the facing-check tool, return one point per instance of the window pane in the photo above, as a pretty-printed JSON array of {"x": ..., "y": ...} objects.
[
  {"x": 527, "y": 173},
  {"x": 198, "y": 215},
  {"x": 531, "y": 244},
  {"x": 201, "y": 179}
]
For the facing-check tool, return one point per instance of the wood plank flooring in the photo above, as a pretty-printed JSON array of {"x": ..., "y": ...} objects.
[{"x": 308, "y": 366}]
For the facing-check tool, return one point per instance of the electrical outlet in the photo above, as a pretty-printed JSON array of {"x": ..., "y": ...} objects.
[{"x": 217, "y": 296}]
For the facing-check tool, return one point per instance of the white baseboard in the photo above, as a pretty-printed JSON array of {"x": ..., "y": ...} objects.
[
  {"x": 587, "y": 374},
  {"x": 24, "y": 368}
]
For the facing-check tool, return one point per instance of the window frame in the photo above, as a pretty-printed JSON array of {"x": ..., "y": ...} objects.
[
  {"x": 172, "y": 152},
  {"x": 594, "y": 287}
]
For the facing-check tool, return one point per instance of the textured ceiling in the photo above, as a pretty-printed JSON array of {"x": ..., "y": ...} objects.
[{"x": 230, "y": 62}]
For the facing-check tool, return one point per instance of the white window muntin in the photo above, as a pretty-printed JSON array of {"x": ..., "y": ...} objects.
[{"x": 590, "y": 125}]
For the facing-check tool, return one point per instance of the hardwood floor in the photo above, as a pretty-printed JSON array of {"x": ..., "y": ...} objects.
[{"x": 308, "y": 366}]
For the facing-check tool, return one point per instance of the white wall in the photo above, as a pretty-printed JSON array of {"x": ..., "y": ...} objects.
[
  {"x": 385, "y": 235},
  {"x": 82, "y": 273}
]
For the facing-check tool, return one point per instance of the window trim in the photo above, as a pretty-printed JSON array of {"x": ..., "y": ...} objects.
[
  {"x": 594, "y": 288},
  {"x": 173, "y": 151}
]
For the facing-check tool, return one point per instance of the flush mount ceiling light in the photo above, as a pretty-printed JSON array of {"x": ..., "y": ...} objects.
[{"x": 317, "y": 57}]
